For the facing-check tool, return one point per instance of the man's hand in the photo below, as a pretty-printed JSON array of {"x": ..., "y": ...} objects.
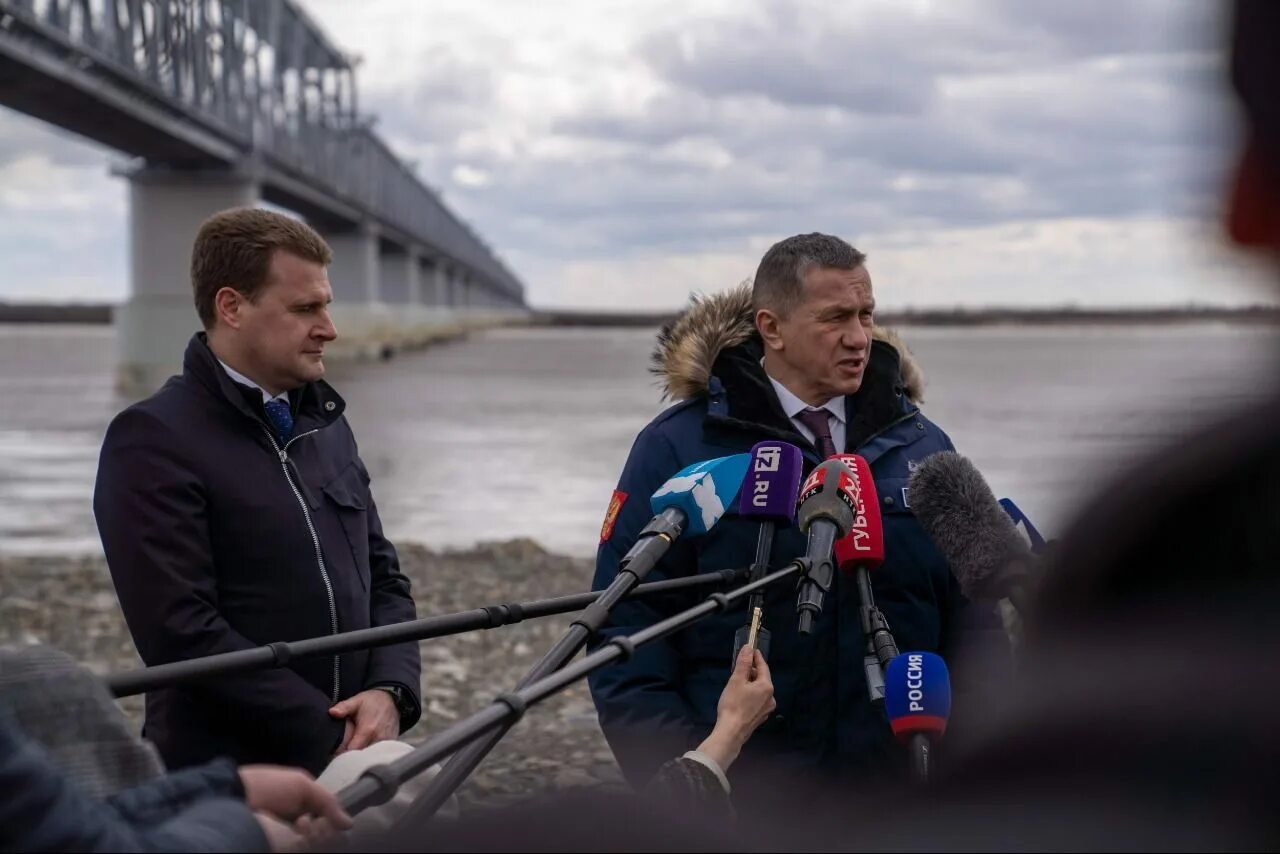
[
  {"x": 374, "y": 716},
  {"x": 746, "y": 702},
  {"x": 289, "y": 794},
  {"x": 280, "y": 836}
]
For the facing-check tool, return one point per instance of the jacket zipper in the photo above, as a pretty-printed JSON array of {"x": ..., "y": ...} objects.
[{"x": 283, "y": 455}]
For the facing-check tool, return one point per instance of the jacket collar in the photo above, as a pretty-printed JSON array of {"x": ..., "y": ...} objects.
[
  {"x": 741, "y": 398},
  {"x": 712, "y": 350},
  {"x": 315, "y": 405}
]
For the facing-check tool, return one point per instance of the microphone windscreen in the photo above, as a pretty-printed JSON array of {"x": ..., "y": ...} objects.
[
  {"x": 864, "y": 544},
  {"x": 960, "y": 514},
  {"x": 703, "y": 491},
  {"x": 828, "y": 493},
  {"x": 772, "y": 483},
  {"x": 917, "y": 694}
]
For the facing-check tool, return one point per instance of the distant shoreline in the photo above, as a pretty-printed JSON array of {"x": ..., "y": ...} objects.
[
  {"x": 972, "y": 317},
  {"x": 101, "y": 314}
]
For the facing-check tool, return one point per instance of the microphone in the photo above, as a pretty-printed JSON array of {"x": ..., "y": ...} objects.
[
  {"x": 959, "y": 512},
  {"x": 1037, "y": 541},
  {"x": 768, "y": 494},
  {"x": 691, "y": 501},
  {"x": 918, "y": 702},
  {"x": 856, "y": 555},
  {"x": 826, "y": 512}
]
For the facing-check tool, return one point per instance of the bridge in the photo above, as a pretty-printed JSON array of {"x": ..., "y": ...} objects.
[{"x": 236, "y": 102}]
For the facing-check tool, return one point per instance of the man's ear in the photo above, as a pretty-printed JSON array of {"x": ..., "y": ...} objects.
[
  {"x": 1253, "y": 209},
  {"x": 768, "y": 324},
  {"x": 228, "y": 303}
]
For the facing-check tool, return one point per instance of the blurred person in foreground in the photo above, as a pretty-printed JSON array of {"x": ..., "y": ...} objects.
[
  {"x": 1143, "y": 717},
  {"x": 235, "y": 511},
  {"x": 211, "y": 807}
]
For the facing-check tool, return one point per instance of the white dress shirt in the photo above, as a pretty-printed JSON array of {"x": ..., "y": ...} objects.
[
  {"x": 243, "y": 380},
  {"x": 792, "y": 405}
]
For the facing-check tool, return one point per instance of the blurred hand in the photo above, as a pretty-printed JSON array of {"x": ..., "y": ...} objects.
[
  {"x": 374, "y": 718},
  {"x": 746, "y": 702},
  {"x": 280, "y": 836},
  {"x": 289, "y": 794}
]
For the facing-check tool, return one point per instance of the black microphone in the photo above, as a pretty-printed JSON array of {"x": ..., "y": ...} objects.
[
  {"x": 959, "y": 512},
  {"x": 826, "y": 511},
  {"x": 768, "y": 494}
]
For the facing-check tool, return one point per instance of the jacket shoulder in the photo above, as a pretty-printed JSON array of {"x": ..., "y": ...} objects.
[
  {"x": 678, "y": 418},
  {"x": 163, "y": 412},
  {"x": 932, "y": 429}
]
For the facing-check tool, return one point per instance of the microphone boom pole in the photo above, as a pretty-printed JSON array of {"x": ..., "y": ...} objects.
[
  {"x": 279, "y": 654},
  {"x": 378, "y": 784}
]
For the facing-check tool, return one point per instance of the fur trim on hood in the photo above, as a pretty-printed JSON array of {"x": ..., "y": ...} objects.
[{"x": 688, "y": 346}]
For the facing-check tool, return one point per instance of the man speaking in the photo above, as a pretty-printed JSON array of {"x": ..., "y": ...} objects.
[
  {"x": 795, "y": 358},
  {"x": 235, "y": 511}
]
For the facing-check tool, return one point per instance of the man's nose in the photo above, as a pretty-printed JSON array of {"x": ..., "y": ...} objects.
[
  {"x": 326, "y": 330},
  {"x": 856, "y": 336}
]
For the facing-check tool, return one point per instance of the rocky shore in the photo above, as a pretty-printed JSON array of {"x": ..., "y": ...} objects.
[{"x": 69, "y": 603}]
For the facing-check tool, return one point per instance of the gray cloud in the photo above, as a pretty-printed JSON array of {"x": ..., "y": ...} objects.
[{"x": 778, "y": 116}]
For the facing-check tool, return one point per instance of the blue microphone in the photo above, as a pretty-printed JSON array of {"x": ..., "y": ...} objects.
[
  {"x": 690, "y": 502},
  {"x": 917, "y": 699},
  {"x": 1019, "y": 518}
]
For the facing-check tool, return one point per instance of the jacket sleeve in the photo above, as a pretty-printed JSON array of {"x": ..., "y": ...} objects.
[
  {"x": 642, "y": 711},
  {"x": 160, "y": 798},
  {"x": 390, "y": 601},
  {"x": 151, "y": 511},
  {"x": 42, "y": 811}
]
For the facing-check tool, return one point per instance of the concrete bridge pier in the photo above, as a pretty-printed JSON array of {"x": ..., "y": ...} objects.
[{"x": 166, "y": 208}]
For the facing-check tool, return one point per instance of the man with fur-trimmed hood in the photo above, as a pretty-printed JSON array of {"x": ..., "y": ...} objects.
[{"x": 795, "y": 357}]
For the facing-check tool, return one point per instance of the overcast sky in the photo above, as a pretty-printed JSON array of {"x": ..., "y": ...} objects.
[{"x": 623, "y": 154}]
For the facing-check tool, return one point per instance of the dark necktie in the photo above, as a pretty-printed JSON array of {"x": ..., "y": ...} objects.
[
  {"x": 817, "y": 422},
  {"x": 280, "y": 417}
]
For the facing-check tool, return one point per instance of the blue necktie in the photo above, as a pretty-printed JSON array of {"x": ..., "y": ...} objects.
[{"x": 281, "y": 418}]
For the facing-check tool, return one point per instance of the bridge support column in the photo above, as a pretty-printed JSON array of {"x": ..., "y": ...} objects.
[
  {"x": 439, "y": 284},
  {"x": 166, "y": 209},
  {"x": 355, "y": 275},
  {"x": 413, "y": 276},
  {"x": 398, "y": 280}
]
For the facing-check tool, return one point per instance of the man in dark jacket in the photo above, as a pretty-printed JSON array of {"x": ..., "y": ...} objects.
[
  {"x": 235, "y": 511},
  {"x": 795, "y": 358}
]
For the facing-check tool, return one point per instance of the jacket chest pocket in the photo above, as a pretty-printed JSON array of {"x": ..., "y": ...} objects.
[{"x": 345, "y": 495}]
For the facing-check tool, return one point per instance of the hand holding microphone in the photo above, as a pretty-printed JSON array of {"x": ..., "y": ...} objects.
[{"x": 746, "y": 703}]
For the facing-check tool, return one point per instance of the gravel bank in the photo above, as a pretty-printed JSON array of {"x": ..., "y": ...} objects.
[{"x": 69, "y": 603}]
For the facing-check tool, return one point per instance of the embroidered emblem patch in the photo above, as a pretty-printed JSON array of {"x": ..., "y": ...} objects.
[{"x": 611, "y": 516}]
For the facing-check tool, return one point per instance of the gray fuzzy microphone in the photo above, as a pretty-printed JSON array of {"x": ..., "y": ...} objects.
[{"x": 961, "y": 515}]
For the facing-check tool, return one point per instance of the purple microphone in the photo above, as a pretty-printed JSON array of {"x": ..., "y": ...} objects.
[{"x": 769, "y": 495}]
